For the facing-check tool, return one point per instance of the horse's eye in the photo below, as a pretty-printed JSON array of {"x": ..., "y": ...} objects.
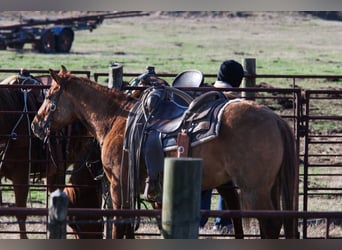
[{"x": 53, "y": 107}]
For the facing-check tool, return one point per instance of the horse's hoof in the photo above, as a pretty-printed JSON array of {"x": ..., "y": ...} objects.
[{"x": 152, "y": 192}]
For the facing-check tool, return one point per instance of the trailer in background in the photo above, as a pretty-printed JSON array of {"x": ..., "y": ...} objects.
[{"x": 54, "y": 35}]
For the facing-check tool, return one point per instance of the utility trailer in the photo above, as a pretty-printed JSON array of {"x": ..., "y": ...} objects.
[{"x": 54, "y": 35}]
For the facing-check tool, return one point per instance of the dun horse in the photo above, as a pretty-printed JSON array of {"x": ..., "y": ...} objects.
[
  {"x": 254, "y": 148},
  {"x": 23, "y": 154}
]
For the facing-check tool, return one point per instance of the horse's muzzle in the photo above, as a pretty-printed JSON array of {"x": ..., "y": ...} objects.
[{"x": 38, "y": 130}]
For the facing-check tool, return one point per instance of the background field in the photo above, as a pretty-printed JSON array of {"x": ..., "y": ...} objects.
[{"x": 282, "y": 43}]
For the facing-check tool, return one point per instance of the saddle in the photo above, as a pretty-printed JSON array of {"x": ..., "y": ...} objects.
[
  {"x": 155, "y": 122},
  {"x": 158, "y": 111},
  {"x": 191, "y": 79},
  {"x": 201, "y": 121}
]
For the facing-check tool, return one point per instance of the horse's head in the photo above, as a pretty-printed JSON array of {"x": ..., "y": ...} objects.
[
  {"x": 54, "y": 113},
  {"x": 25, "y": 78}
]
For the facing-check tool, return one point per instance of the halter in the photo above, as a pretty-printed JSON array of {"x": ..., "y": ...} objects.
[
  {"x": 53, "y": 107},
  {"x": 23, "y": 80}
]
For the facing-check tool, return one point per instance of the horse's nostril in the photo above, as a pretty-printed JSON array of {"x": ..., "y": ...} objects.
[{"x": 36, "y": 130}]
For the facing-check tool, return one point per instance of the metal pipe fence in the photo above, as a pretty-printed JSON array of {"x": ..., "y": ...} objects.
[{"x": 318, "y": 148}]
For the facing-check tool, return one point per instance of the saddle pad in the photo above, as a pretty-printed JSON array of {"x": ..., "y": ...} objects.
[{"x": 205, "y": 130}]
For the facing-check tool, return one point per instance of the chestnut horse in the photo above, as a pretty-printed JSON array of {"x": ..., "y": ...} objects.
[
  {"x": 255, "y": 148},
  {"x": 149, "y": 78},
  {"x": 17, "y": 143}
]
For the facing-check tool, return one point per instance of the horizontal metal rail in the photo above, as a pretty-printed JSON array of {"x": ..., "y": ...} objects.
[{"x": 157, "y": 213}]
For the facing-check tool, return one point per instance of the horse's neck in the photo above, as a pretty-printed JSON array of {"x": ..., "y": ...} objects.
[{"x": 98, "y": 108}]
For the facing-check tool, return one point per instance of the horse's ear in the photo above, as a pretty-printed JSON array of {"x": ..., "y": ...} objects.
[
  {"x": 63, "y": 70},
  {"x": 54, "y": 76}
]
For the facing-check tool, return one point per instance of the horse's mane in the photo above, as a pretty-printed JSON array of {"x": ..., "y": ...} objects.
[
  {"x": 86, "y": 82},
  {"x": 9, "y": 80},
  {"x": 13, "y": 99}
]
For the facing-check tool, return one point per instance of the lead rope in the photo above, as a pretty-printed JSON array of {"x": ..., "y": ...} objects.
[
  {"x": 25, "y": 94},
  {"x": 25, "y": 91}
]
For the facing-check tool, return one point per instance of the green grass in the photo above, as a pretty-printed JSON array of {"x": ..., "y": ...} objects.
[{"x": 280, "y": 46}]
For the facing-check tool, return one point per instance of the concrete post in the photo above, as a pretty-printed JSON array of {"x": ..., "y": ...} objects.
[{"x": 58, "y": 211}]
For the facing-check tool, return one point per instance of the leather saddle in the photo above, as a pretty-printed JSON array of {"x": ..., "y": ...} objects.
[
  {"x": 157, "y": 119},
  {"x": 189, "y": 79}
]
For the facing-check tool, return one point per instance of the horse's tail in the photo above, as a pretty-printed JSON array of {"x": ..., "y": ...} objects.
[{"x": 289, "y": 179}]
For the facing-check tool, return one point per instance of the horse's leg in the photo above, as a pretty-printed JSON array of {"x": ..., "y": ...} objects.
[
  {"x": 157, "y": 205},
  {"x": 121, "y": 229},
  {"x": 21, "y": 193},
  {"x": 275, "y": 197},
  {"x": 261, "y": 199},
  {"x": 289, "y": 225},
  {"x": 232, "y": 200},
  {"x": 116, "y": 169}
]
